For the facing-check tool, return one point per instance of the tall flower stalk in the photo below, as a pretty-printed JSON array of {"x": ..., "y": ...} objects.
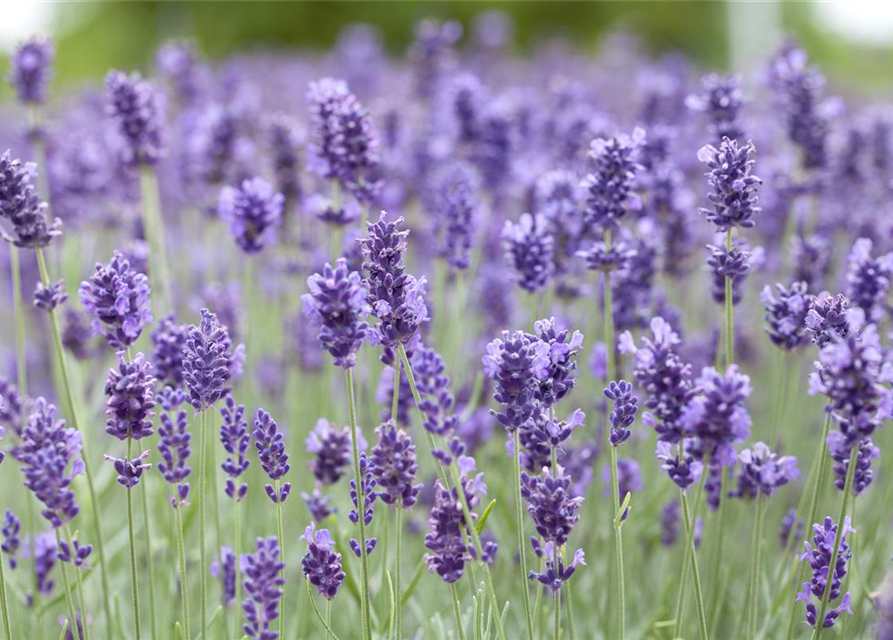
[
  {"x": 235, "y": 439},
  {"x": 4, "y": 603}
]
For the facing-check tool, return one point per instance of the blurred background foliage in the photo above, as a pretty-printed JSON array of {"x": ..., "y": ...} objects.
[{"x": 91, "y": 36}]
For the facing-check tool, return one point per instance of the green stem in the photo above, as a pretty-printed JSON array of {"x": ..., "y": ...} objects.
[
  {"x": 203, "y": 567},
  {"x": 328, "y": 623},
  {"x": 133, "y": 570},
  {"x": 281, "y": 555},
  {"x": 557, "y": 620},
  {"x": 618, "y": 541},
  {"x": 79, "y": 582},
  {"x": 153, "y": 225},
  {"x": 699, "y": 596},
  {"x": 237, "y": 550},
  {"x": 519, "y": 522},
  {"x": 323, "y": 621},
  {"x": 457, "y": 612},
  {"x": 730, "y": 326},
  {"x": 3, "y": 602},
  {"x": 398, "y": 516},
  {"x": 181, "y": 557},
  {"x": 395, "y": 402},
  {"x": 838, "y": 539},
  {"x": 753, "y": 605},
  {"x": 21, "y": 365},
  {"x": 69, "y": 599},
  {"x": 780, "y": 394},
  {"x": 717, "y": 556},
  {"x": 571, "y": 629},
  {"x": 88, "y": 470},
  {"x": 609, "y": 316},
  {"x": 149, "y": 570},
  {"x": 361, "y": 508},
  {"x": 689, "y": 552}
]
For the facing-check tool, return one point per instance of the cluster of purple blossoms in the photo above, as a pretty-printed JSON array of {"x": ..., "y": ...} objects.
[
  {"x": 337, "y": 303},
  {"x": 130, "y": 393},
  {"x": 77, "y": 335},
  {"x": 394, "y": 467},
  {"x": 225, "y": 569},
  {"x": 669, "y": 523},
  {"x": 682, "y": 468},
  {"x": 75, "y": 553},
  {"x": 235, "y": 440},
  {"x": 433, "y": 385},
  {"x": 318, "y": 504},
  {"x": 321, "y": 565},
  {"x": 135, "y": 106},
  {"x": 554, "y": 575},
  {"x": 529, "y": 251},
  {"x": 558, "y": 378},
  {"x": 542, "y": 433},
  {"x": 601, "y": 257},
  {"x": 827, "y": 318},
  {"x": 11, "y": 543},
  {"x": 23, "y": 220},
  {"x": 30, "y": 69},
  {"x": 397, "y": 298},
  {"x": 722, "y": 101},
  {"x": 734, "y": 200},
  {"x": 626, "y": 405},
  {"x": 180, "y": 62},
  {"x": 331, "y": 447},
  {"x": 516, "y": 362},
  {"x": 384, "y": 394},
  {"x": 790, "y": 525},
  {"x": 762, "y": 472},
  {"x": 253, "y": 211},
  {"x": 551, "y": 506},
  {"x": 212, "y": 143},
  {"x": 786, "y": 311},
  {"x": 173, "y": 444},
  {"x": 263, "y": 588},
  {"x": 467, "y": 100},
  {"x": 868, "y": 279},
  {"x": 47, "y": 298},
  {"x": 50, "y": 457},
  {"x": 455, "y": 204},
  {"x": 717, "y": 418},
  {"x": 43, "y": 549},
  {"x": 819, "y": 556},
  {"x": 168, "y": 340},
  {"x": 840, "y": 449},
  {"x": 116, "y": 297},
  {"x": 208, "y": 361},
  {"x": 664, "y": 377},
  {"x": 367, "y": 486},
  {"x": 268, "y": 441},
  {"x": 609, "y": 189},
  {"x": 130, "y": 470}
]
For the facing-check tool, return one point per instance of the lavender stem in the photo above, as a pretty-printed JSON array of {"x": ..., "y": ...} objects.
[
  {"x": 281, "y": 555},
  {"x": 133, "y": 576},
  {"x": 729, "y": 307},
  {"x": 69, "y": 600},
  {"x": 181, "y": 557},
  {"x": 519, "y": 521},
  {"x": 457, "y": 613},
  {"x": 21, "y": 365},
  {"x": 361, "y": 508},
  {"x": 753, "y": 607},
  {"x": 699, "y": 598},
  {"x": 80, "y": 587},
  {"x": 153, "y": 224},
  {"x": 3, "y": 602},
  {"x": 203, "y": 567},
  {"x": 398, "y": 515}
]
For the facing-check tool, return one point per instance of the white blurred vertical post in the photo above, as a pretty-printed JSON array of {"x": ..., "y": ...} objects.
[{"x": 754, "y": 29}]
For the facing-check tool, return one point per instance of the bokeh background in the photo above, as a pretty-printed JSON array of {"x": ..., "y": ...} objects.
[{"x": 851, "y": 40}]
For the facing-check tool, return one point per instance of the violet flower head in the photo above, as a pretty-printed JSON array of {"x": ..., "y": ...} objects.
[
  {"x": 367, "y": 486},
  {"x": 722, "y": 101},
  {"x": 516, "y": 362},
  {"x": 337, "y": 303},
  {"x": 180, "y": 62},
  {"x": 785, "y": 317},
  {"x": 529, "y": 251},
  {"x": 263, "y": 589},
  {"x": 134, "y": 105},
  {"x": 23, "y": 220},
  {"x": 11, "y": 410},
  {"x": 48, "y": 298},
  {"x": 558, "y": 380},
  {"x": 733, "y": 197},
  {"x": 268, "y": 441},
  {"x": 322, "y": 565},
  {"x": 670, "y": 516},
  {"x": 43, "y": 549},
  {"x": 235, "y": 439},
  {"x": 75, "y": 554},
  {"x": 213, "y": 143},
  {"x": 819, "y": 556},
  {"x": 318, "y": 505},
  {"x": 763, "y": 471},
  {"x": 394, "y": 467},
  {"x": 225, "y": 569},
  {"x": 446, "y": 540},
  {"x": 130, "y": 393},
  {"x": 433, "y": 385},
  {"x": 718, "y": 417},
  {"x": 554, "y": 576},
  {"x": 173, "y": 444},
  {"x": 168, "y": 341},
  {"x": 253, "y": 211},
  {"x": 840, "y": 448},
  {"x": 791, "y": 525},
  {"x": 601, "y": 257},
  {"x": 397, "y": 298},
  {"x": 827, "y": 318},
  {"x": 868, "y": 279},
  {"x": 130, "y": 470},
  {"x": 12, "y": 526},
  {"x": 116, "y": 296},
  {"x": 681, "y": 467},
  {"x": 455, "y": 204},
  {"x": 77, "y": 334},
  {"x": 610, "y": 188},
  {"x": 664, "y": 377},
  {"x": 207, "y": 362},
  {"x": 626, "y": 405},
  {"x": 551, "y": 506},
  {"x": 806, "y": 111},
  {"x": 331, "y": 449},
  {"x": 50, "y": 457},
  {"x": 30, "y": 69}
]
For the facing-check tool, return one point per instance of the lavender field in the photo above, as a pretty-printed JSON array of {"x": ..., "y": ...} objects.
[{"x": 457, "y": 343}]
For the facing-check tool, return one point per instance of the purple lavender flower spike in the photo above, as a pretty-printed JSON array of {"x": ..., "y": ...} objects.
[
  {"x": 134, "y": 105},
  {"x": 669, "y": 522},
  {"x": 384, "y": 395},
  {"x": 207, "y": 362},
  {"x": 268, "y": 441},
  {"x": 168, "y": 340},
  {"x": 394, "y": 467},
  {"x": 23, "y": 220},
  {"x": 180, "y": 62},
  {"x": 331, "y": 449},
  {"x": 529, "y": 251},
  {"x": 318, "y": 505},
  {"x": 455, "y": 203},
  {"x": 117, "y": 298},
  {"x": 554, "y": 576},
  {"x": 446, "y": 540},
  {"x": 48, "y": 298},
  {"x": 600, "y": 257},
  {"x": 682, "y": 468},
  {"x": 827, "y": 317},
  {"x": 253, "y": 211},
  {"x": 397, "y": 299},
  {"x": 225, "y": 569},
  {"x": 174, "y": 442},
  {"x": 42, "y": 547},
  {"x": 11, "y": 411},
  {"x": 322, "y": 565},
  {"x": 551, "y": 507},
  {"x": 130, "y": 471},
  {"x": 30, "y": 69},
  {"x": 733, "y": 196},
  {"x": 840, "y": 448},
  {"x": 868, "y": 279},
  {"x": 626, "y": 405},
  {"x": 235, "y": 439},
  {"x": 434, "y": 387},
  {"x": 516, "y": 362},
  {"x": 791, "y": 525},
  {"x": 544, "y": 432},
  {"x": 559, "y": 378},
  {"x": 11, "y": 543},
  {"x": 130, "y": 390},
  {"x": 337, "y": 303},
  {"x": 819, "y": 557},
  {"x": 77, "y": 335},
  {"x": 75, "y": 554},
  {"x": 367, "y": 483},
  {"x": 762, "y": 472},
  {"x": 722, "y": 101},
  {"x": 718, "y": 418},
  {"x": 610, "y": 187},
  {"x": 263, "y": 588},
  {"x": 786, "y": 311}
]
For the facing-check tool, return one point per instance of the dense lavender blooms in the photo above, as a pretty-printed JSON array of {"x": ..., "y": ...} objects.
[
  {"x": 253, "y": 211},
  {"x": 394, "y": 467},
  {"x": 610, "y": 187},
  {"x": 337, "y": 303},
  {"x": 682, "y": 468},
  {"x": 23, "y": 220},
  {"x": 718, "y": 417},
  {"x": 77, "y": 334},
  {"x": 135, "y": 107},
  {"x": 805, "y": 109},
  {"x": 397, "y": 298},
  {"x": 48, "y": 298},
  {"x": 434, "y": 387},
  {"x": 733, "y": 198},
  {"x": 722, "y": 101},
  {"x": 331, "y": 449},
  {"x": 626, "y": 405},
  {"x": 669, "y": 523},
  {"x": 446, "y": 538},
  {"x": 11, "y": 413},
  {"x": 827, "y": 318},
  {"x": 551, "y": 506},
  {"x": 318, "y": 505},
  {"x": 819, "y": 557},
  {"x": 321, "y": 565},
  {"x": 42, "y": 548},
  {"x": 790, "y": 525},
  {"x": 731, "y": 263},
  {"x": 263, "y": 589},
  {"x": 762, "y": 471},
  {"x": 868, "y": 279},
  {"x": 225, "y": 569},
  {"x": 455, "y": 204},
  {"x": 786, "y": 314},
  {"x": 207, "y": 362},
  {"x": 367, "y": 486},
  {"x": 664, "y": 378},
  {"x": 30, "y": 69},
  {"x": 130, "y": 392},
  {"x": 558, "y": 380},
  {"x": 168, "y": 340},
  {"x": 467, "y": 99},
  {"x": 213, "y": 143},
  {"x": 268, "y": 441},
  {"x": 116, "y": 296},
  {"x": 840, "y": 447},
  {"x": 235, "y": 440},
  {"x": 11, "y": 543},
  {"x": 173, "y": 444},
  {"x": 516, "y": 362},
  {"x": 50, "y": 456}
]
